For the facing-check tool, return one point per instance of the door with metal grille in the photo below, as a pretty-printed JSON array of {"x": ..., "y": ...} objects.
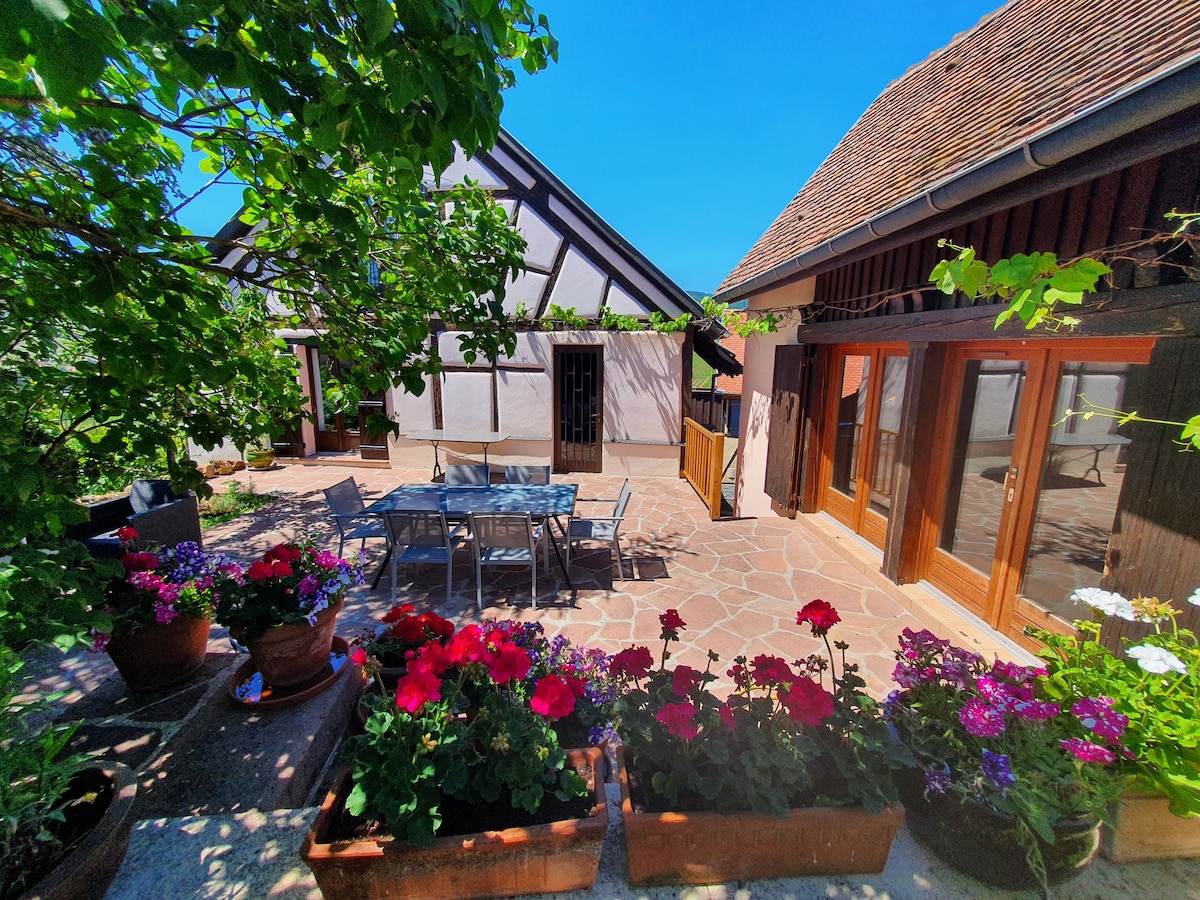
[{"x": 578, "y": 401}]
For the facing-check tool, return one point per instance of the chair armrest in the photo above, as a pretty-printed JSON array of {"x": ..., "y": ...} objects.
[
  {"x": 169, "y": 524},
  {"x": 599, "y": 518}
]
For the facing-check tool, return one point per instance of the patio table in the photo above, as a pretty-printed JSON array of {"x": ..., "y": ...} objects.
[
  {"x": 543, "y": 502},
  {"x": 436, "y": 436}
]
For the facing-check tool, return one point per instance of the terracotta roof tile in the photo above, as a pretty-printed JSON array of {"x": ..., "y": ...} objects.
[
  {"x": 735, "y": 344},
  {"x": 1024, "y": 67}
]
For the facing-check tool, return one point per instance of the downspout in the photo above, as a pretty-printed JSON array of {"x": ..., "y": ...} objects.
[{"x": 1166, "y": 93}]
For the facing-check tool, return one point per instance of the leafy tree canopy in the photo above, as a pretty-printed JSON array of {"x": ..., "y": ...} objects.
[{"x": 119, "y": 333}]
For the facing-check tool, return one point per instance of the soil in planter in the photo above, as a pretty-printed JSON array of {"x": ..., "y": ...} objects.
[
  {"x": 462, "y": 817},
  {"x": 28, "y": 859}
]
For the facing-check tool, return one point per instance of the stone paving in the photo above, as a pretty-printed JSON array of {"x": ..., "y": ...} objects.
[{"x": 738, "y": 583}]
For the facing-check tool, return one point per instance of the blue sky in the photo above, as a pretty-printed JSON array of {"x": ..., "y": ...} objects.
[{"x": 688, "y": 126}]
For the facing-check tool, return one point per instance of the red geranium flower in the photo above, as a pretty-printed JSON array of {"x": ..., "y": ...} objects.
[
  {"x": 554, "y": 697},
  {"x": 679, "y": 720},
  {"x": 727, "y": 715},
  {"x": 139, "y": 562},
  {"x": 508, "y": 662},
  {"x": 358, "y": 656},
  {"x": 287, "y": 553},
  {"x": 684, "y": 679},
  {"x": 398, "y": 612},
  {"x": 769, "y": 670},
  {"x": 633, "y": 661},
  {"x": 670, "y": 620},
  {"x": 820, "y": 615},
  {"x": 416, "y": 689},
  {"x": 127, "y": 533},
  {"x": 806, "y": 702}
]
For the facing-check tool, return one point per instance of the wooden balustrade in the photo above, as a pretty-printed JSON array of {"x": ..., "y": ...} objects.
[{"x": 703, "y": 463}]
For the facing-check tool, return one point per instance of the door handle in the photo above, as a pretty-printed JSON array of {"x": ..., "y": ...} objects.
[{"x": 1010, "y": 481}]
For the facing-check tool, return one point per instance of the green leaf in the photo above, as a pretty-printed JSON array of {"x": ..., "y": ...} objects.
[{"x": 379, "y": 19}]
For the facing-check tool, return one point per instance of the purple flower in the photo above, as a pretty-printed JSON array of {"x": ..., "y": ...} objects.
[
  {"x": 1087, "y": 751},
  {"x": 980, "y": 719},
  {"x": 997, "y": 770},
  {"x": 1035, "y": 709},
  {"x": 936, "y": 781},
  {"x": 1097, "y": 715},
  {"x": 165, "y": 612}
]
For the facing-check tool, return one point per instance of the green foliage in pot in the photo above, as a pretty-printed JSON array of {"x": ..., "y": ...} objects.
[
  {"x": 990, "y": 733},
  {"x": 469, "y": 721},
  {"x": 780, "y": 739},
  {"x": 34, "y": 773},
  {"x": 1154, "y": 683}
]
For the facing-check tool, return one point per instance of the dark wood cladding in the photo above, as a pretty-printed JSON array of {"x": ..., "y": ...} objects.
[
  {"x": 1116, "y": 209},
  {"x": 1155, "y": 545}
]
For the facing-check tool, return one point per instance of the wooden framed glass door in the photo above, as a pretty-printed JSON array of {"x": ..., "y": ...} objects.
[
  {"x": 861, "y": 436},
  {"x": 1024, "y": 498}
]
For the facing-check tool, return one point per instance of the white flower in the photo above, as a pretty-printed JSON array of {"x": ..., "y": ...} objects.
[
  {"x": 1156, "y": 660},
  {"x": 1107, "y": 602},
  {"x": 1195, "y": 598}
]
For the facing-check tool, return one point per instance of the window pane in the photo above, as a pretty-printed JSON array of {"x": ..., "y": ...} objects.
[
  {"x": 989, "y": 400},
  {"x": 1080, "y": 482},
  {"x": 891, "y": 399},
  {"x": 852, "y": 411}
]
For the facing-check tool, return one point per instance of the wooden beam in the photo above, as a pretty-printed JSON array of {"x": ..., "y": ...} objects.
[{"x": 1171, "y": 310}]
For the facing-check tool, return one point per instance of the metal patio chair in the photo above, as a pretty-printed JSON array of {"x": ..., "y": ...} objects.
[
  {"x": 526, "y": 474},
  {"x": 600, "y": 528},
  {"x": 350, "y": 515},
  {"x": 423, "y": 537},
  {"x": 505, "y": 539},
  {"x": 459, "y": 475}
]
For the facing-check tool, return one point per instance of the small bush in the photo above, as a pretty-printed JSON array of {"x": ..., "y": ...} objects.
[{"x": 238, "y": 498}]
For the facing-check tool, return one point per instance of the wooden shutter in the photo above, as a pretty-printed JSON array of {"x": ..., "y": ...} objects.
[{"x": 792, "y": 366}]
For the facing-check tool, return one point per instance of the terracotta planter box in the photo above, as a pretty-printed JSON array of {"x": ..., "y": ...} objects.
[
  {"x": 89, "y": 868},
  {"x": 1144, "y": 829},
  {"x": 560, "y": 856},
  {"x": 709, "y": 848}
]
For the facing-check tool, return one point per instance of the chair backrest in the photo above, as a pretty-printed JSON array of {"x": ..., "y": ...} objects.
[
  {"x": 527, "y": 474},
  {"x": 468, "y": 474},
  {"x": 145, "y": 495},
  {"x": 622, "y": 501},
  {"x": 501, "y": 530},
  {"x": 417, "y": 528},
  {"x": 344, "y": 498}
]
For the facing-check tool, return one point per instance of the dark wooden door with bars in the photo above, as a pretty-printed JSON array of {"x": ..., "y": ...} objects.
[{"x": 578, "y": 401}]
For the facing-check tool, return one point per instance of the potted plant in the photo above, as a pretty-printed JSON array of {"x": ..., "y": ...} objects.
[
  {"x": 65, "y": 818},
  {"x": 460, "y": 787},
  {"x": 401, "y": 631},
  {"x": 160, "y": 613},
  {"x": 260, "y": 457},
  {"x": 805, "y": 769},
  {"x": 1155, "y": 686},
  {"x": 1011, "y": 785},
  {"x": 283, "y": 608}
]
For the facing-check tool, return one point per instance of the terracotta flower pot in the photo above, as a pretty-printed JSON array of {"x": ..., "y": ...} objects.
[
  {"x": 560, "y": 856},
  {"x": 89, "y": 868},
  {"x": 709, "y": 848},
  {"x": 1144, "y": 829},
  {"x": 288, "y": 655},
  {"x": 159, "y": 656},
  {"x": 983, "y": 844}
]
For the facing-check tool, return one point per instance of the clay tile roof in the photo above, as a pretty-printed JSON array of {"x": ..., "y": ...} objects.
[{"x": 1024, "y": 67}]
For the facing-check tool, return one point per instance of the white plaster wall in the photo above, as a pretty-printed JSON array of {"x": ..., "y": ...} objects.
[
  {"x": 579, "y": 285},
  {"x": 524, "y": 397},
  {"x": 643, "y": 372},
  {"x": 413, "y": 412},
  {"x": 621, "y": 302},
  {"x": 461, "y": 167},
  {"x": 757, "y": 380},
  {"x": 543, "y": 241},
  {"x": 527, "y": 288},
  {"x": 467, "y": 401}
]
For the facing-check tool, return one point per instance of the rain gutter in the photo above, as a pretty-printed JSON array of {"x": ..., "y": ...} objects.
[{"x": 1170, "y": 91}]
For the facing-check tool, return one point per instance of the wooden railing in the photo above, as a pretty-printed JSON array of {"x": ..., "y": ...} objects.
[{"x": 703, "y": 461}]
